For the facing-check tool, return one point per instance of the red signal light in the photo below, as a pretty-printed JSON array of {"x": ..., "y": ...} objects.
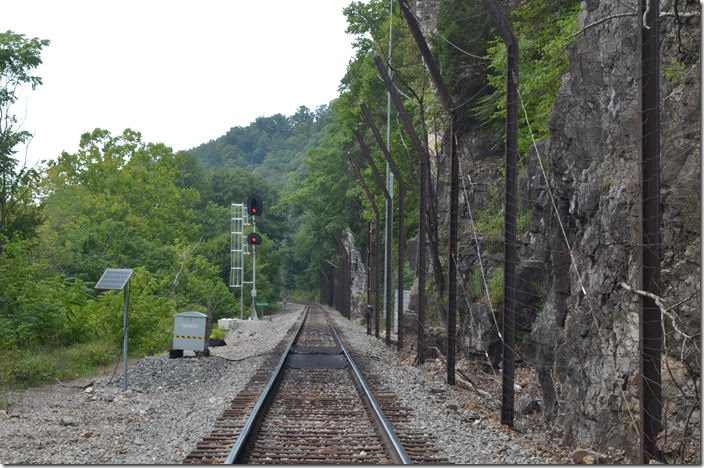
[
  {"x": 254, "y": 203},
  {"x": 254, "y": 239}
]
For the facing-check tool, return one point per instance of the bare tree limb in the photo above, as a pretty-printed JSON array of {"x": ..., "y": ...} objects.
[
  {"x": 660, "y": 302},
  {"x": 624, "y": 15}
]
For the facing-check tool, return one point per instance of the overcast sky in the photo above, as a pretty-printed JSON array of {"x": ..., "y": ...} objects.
[{"x": 180, "y": 72}]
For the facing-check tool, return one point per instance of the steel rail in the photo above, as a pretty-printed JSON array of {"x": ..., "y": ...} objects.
[
  {"x": 247, "y": 429},
  {"x": 399, "y": 453}
]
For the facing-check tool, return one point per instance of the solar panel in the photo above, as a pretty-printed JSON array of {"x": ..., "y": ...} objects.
[{"x": 114, "y": 279}]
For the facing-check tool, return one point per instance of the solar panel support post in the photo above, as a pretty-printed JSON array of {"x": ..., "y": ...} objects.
[
  {"x": 115, "y": 280},
  {"x": 125, "y": 306}
]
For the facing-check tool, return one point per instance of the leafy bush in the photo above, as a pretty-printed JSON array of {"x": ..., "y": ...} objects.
[{"x": 217, "y": 334}]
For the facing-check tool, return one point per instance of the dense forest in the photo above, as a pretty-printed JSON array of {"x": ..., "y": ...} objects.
[{"x": 122, "y": 202}]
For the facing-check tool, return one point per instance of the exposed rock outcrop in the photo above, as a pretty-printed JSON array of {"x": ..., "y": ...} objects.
[{"x": 577, "y": 325}]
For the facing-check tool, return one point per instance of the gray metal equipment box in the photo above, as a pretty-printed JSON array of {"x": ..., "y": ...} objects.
[{"x": 189, "y": 331}]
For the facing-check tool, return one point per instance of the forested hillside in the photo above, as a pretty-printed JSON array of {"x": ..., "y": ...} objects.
[{"x": 270, "y": 146}]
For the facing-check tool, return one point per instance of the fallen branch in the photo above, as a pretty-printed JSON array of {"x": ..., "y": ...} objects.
[{"x": 462, "y": 375}]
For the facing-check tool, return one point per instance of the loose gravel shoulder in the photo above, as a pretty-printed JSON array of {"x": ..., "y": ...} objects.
[
  {"x": 170, "y": 405},
  {"x": 463, "y": 433}
]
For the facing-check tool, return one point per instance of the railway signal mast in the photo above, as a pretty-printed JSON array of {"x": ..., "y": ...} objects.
[{"x": 254, "y": 208}]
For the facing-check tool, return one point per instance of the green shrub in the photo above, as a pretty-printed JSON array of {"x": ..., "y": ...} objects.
[{"x": 217, "y": 334}]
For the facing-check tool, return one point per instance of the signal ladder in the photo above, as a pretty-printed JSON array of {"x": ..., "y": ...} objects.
[{"x": 238, "y": 249}]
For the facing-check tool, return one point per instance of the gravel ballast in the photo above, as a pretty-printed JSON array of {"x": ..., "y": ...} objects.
[
  {"x": 171, "y": 404},
  {"x": 462, "y": 435}
]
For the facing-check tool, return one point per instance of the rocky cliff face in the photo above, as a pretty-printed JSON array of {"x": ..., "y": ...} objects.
[
  {"x": 584, "y": 342},
  {"x": 578, "y": 326},
  {"x": 359, "y": 278}
]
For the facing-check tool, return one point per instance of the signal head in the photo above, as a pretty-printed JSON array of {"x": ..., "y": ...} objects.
[
  {"x": 254, "y": 205},
  {"x": 254, "y": 239}
]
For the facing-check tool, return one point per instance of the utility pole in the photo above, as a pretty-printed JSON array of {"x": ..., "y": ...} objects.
[
  {"x": 390, "y": 189},
  {"x": 401, "y": 230},
  {"x": 381, "y": 184},
  {"x": 423, "y": 216}
]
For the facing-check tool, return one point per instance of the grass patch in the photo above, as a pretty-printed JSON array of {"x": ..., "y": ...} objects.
[
  {"x": 496, "y": 286},
  {"x": 22, "y": 369}
]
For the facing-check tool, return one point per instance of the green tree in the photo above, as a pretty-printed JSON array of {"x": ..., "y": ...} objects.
[
  {"x": 18, "y": 57},
  {"x": 115, "y": 203}
]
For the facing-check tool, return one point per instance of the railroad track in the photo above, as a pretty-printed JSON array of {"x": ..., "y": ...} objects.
[{"x": 309, "y": 403}]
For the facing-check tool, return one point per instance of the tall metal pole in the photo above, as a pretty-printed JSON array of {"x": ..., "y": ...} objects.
[
  {"x": 242, "y": 255},
  {"x": 651, "y": 320},
  {"x": 510, "y": 254},
  {"x": 377, "y": 216},
  {"x": 382, "y": 186},
  {"x": 369, "y": 277},
  {"x": 401, "y": 229},
  {"x": 254, "y": 274},
  {"x": 423, "y": 220},
  {"x": 389, "y": 224},
  {"x": 452, "y": 254},
  {"x": 510, "y": 257},
  {"x": 449, "y": 105},
  {"x": 349, "y": 286},
  {"x": 125, "y": 304}
]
